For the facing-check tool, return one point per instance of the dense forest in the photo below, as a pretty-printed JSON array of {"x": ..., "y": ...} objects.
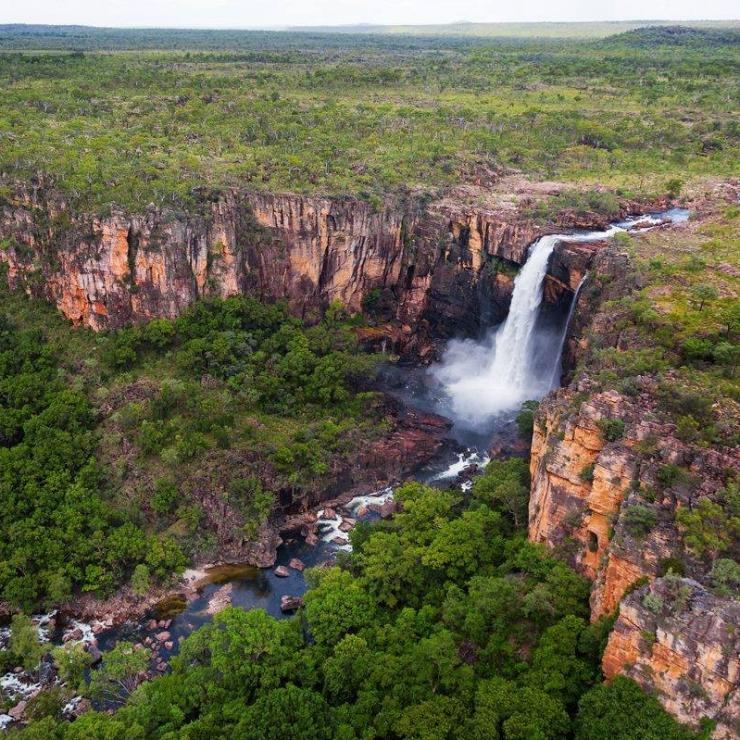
[
  {"x": 81, "y": 516},
  {"x": 444, "y": 623}
]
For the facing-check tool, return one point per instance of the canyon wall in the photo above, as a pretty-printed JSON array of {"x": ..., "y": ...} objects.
[
  {"x": 608, "y": 476},
  {"x": 430, "y": 270}
]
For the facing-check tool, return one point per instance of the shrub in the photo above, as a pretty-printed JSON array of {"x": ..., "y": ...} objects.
[
  {"x": 611, "y": 429},
  {"x": 653, "y": 603},
  {"x": 140, "y": 580},
  {"x": 671, "y": 565},
  {"x": 165, "y": 496},
  {"x": 639, "y": 519},
  {"x": 587, "y": 473},
  {"x": 525, "y": 418},
  {"x": 726, "y": 577}
]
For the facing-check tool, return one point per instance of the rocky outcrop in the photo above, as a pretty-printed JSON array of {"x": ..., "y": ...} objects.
[
  {"x": 682, "y": 642},
  {"x": 430, "y": 269},
  {"x": 610, "y": 470}
]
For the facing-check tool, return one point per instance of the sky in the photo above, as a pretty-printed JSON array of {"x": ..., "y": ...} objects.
[{"x": 281, "y": 13}]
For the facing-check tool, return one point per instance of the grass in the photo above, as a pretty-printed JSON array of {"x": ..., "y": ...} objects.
[{"x": 368, "y": 116}]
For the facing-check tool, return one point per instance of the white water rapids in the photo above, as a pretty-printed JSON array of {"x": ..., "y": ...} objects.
[{"x": 516, "y": 361}]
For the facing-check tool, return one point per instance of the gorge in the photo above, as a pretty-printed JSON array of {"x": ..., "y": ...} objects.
[{"x": 479, "y": 383}]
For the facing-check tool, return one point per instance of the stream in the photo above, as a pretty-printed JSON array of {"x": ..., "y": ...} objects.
[{"x": 479, "y": 384}]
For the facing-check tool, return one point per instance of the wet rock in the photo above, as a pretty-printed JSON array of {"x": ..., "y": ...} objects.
[
  {"x": 82, "y": 706},
  {"x": 281, "y": 571},
  {"x": 362, "y": 511},
  {"x": 312, "y": 539},
  {"x": 219, "y": 601},
  {"x": 290, "y": 603},
  {"x": 162, "y": 636},
  {"x": 169, "y": 645},
  {"x": 95, "y": 654},
  {"x": 388, "y": 509},
  {"x": 297, "y": 564},
  {"x": 340, "y": 541},
  {"x": 347, "y": 525},
  {"x": 164, "y": 623},
  {"x": 75, "y": 634},
  {"x": 161, "y": 666},
  {"x": 329, "y": 513},
  {"x": 152, "y": 624}
]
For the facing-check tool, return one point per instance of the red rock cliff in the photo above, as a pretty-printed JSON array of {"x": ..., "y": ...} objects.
[
  {"x": 433, "y": 266},
  {"x": 587, "y": 484}
]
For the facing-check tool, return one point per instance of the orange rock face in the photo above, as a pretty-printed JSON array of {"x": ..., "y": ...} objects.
[
  {"x": 429, "y": 262},
  {"x": 682, "y": 642},
  {"x": 673, "y": 636}
]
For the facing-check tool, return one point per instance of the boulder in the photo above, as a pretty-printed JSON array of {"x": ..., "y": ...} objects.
[
  {"x": 152, "y": 624},
  {"x": 290, "y": 603},
  {"x": 162, "y": 636},
  {"x": 388, "y": 509},
  {"x": 169, "y": 645},
  {"x": 82, "y": 706},
  {"x": 17, "y": 711},
  {"x": 281, "y": 571},
  {"x": 312, "y": 539},
  {"x": 297, "y": 564},
  {"x": 219, "y": 600},
  {"x": 340, "y": 540},
  {"x": 95, "y": 654},
  {"x": 329, "y": 513},
  {"x": 75, "y": 634}
]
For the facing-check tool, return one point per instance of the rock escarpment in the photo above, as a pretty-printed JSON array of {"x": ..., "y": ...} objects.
[
  {"x": 427, "y": 270},
  {"x": 610, "y": 470},
  {"x": 679, "y": 640}
]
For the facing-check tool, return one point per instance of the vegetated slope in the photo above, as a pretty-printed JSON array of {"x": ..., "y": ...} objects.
[
  {"x": 652, "y": 36},
  {"x": 174, "y": 441},
  {"x": 545, "y": 30},
  {"x": 635, "y": 465}
]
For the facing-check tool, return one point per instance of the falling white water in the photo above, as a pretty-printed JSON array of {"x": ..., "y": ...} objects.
[
  {"x": 557, "y": 371},
  {"x": 483, "y": 379}
]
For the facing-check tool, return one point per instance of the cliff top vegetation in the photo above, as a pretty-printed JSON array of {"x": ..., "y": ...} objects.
[{"x": 367, "y": 115}]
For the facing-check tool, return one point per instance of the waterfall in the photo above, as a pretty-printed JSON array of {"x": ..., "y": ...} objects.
[
  {"x": 516, "y": 361},
  {"x": 558, "y": 369},
  {"x": 519, "y": 360}
]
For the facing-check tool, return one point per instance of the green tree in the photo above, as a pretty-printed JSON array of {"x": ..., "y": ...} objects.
[
  {"x": 71, "y": 661},
  {"x": 504, "y": 485},
  {"x": 119, "y": 673},
  {"x": 336, "y": 605},
  {"x": 25, "y": 643},
  {"x": 621, "y": 710},
  {"x": 703, "y": 294},
  {"x": 708, "y": 529},
  {"x": 140, "y": 580},
  {"x": 287, "y": 712}
]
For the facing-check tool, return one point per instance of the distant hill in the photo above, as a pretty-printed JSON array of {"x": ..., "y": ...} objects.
[
  {"x": 579, "y": 30},
  {"x": 675, "y": 36}
]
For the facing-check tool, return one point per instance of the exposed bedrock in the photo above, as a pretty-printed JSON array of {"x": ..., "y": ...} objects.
[
  {"x": 427, "y": 270},
  {"x": 675, "y": 635}
]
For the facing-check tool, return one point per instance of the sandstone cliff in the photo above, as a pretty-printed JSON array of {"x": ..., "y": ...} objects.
[
  {"x": 610, "y": 470},
  {"x": 432, "y": 269}
]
